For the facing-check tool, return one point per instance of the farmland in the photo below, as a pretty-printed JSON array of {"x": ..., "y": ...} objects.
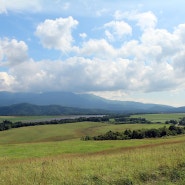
[{"x": 55, "y": 154}]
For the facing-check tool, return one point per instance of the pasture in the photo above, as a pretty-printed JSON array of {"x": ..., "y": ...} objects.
[
  {"x": 61, "y": 132},
  {"x": 27, "y": 118},
  {"x": 55, "y": 155},
  {"x": 160, "y": 117}
]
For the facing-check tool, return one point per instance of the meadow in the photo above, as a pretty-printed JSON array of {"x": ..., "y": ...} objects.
[
  {"x": 160, "y": 117},
  {"x": 26, "y": 118},
  {"x": 55, "y": 155}
]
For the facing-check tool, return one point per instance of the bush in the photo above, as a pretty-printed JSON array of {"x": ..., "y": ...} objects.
[{"x": 139, "y": 134}]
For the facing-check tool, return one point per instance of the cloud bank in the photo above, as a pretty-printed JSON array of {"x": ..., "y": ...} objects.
[{"x": 116, "y": 61}]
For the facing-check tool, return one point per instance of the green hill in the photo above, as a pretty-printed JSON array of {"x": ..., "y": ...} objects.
[{"x": 63, "y": 132}]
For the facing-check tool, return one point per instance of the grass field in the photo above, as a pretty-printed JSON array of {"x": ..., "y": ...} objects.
[
  {"x": 115, "y": 162},
  {"x": 64, "y": 131},
  {"x": 27, "y": 118},
  {"x": 160, "y": 117},
  {"x": 55, "y": 155}
]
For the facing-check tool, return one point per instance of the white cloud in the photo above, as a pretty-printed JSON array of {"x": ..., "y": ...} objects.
[
  {"x": 180, "y": 32},
  {"x": 19, "y": 6},
  {"x": 83, "y": 35},
  {"x": 152, "y": 62},
  {"x": 109, "y": 35},
  {"x": 73, "y": 74},
  {"x": 2, "y": 6},
  {"x": 97, "y": 48},
  {"x": 117, "y": 29},
  {"x": 57, "y": 33},
  {"x": 167, "y": 42},
  {"x": 6, "y": 81},
  {"x": 80, "y": 74},
  {"x": 12, "y": 52},
  {"x": 145, "y": 20}
]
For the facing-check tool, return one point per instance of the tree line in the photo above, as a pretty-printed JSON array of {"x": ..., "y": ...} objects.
[
  {"x": 6, "y": 124},
  {"x": 180, "y": 122},
  {"x": 129, "y": 120},
  {"x": 118, "y": 119},
  {"x": 138, "y": 134}
]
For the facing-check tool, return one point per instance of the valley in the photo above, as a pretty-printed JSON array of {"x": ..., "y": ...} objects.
[{"x": 55, "y": 154}]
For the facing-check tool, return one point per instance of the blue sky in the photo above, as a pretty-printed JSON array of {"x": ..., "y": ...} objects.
[{"x": 122, "y": 50}]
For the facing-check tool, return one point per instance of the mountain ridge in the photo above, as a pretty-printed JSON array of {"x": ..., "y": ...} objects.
[
  {"x": 26, "y": 109},
  {"x": 83, "y": 101}
]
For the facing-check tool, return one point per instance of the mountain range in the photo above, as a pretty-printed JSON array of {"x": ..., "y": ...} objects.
[{"x": 68, "y": 102}]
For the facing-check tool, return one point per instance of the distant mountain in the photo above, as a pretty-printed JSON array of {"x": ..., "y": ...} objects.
[
  {"x": 25, "y": 109},
  {"x": 179, "y": 109},
  {"x": 83, "y": 101}
]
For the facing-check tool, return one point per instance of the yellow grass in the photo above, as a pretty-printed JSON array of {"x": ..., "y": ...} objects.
[{"x": 140, "y": 165}]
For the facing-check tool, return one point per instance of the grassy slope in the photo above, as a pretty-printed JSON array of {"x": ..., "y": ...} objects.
[
  {"x": 150, "y": 165},
  {"x": 64, "y": 131},
  {"x": 37, "y": 157},
  {"x": 75, "y": 146},
  {"x": 50, "y": 140}
]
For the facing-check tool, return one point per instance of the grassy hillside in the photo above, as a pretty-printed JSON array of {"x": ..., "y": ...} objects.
[
  {"x": 55, "y": 155},
  {"x": 156, "y": 161},
  {"x": 64, "y": 131}
]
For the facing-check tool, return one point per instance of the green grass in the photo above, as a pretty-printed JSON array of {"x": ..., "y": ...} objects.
[
  {"x": 47, "y": 132},
  {"x": 48, "y": 140},
  {"x": 62, "y": 132},
  {"x": 27, "y": 118},
  {"x": 161, "y": 164},
  {"x": 160, "y": 117},
  {"x": 122, "y": 127},
  {"x": 55, "y": 155},
  {"x": 75, "y": 146},
  {"x": 151, "y": 117}
]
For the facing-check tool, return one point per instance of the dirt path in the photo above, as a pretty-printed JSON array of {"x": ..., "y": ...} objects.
[{"x": 130, "y": 148}]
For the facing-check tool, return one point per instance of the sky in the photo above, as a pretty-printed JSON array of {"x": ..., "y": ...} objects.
[{"x": 129, "y": 50}]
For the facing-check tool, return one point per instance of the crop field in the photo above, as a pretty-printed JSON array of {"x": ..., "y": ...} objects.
[{"x": 55, "y": 155}]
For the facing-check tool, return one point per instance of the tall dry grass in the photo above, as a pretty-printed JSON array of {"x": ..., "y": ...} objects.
[{"x": 155, "y": 164}]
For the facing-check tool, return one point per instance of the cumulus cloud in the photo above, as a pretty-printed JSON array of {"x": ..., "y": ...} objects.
[
  {"x": 145, "y": 20},
  {"x": 57, "y": 33},
  {"x": 152, "y": 62},
  {"x": 74, "y": 74},
  {"x": 12, "y": 52},
  {"x": 97, "y": 48},
  {"x": 83, "y": 35},
  {"x": 6, "y": 81},
  {"x": 117, "y": 30},
  {"x": 79, "y": 74},
  {"x": 180, "y": 32}
]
